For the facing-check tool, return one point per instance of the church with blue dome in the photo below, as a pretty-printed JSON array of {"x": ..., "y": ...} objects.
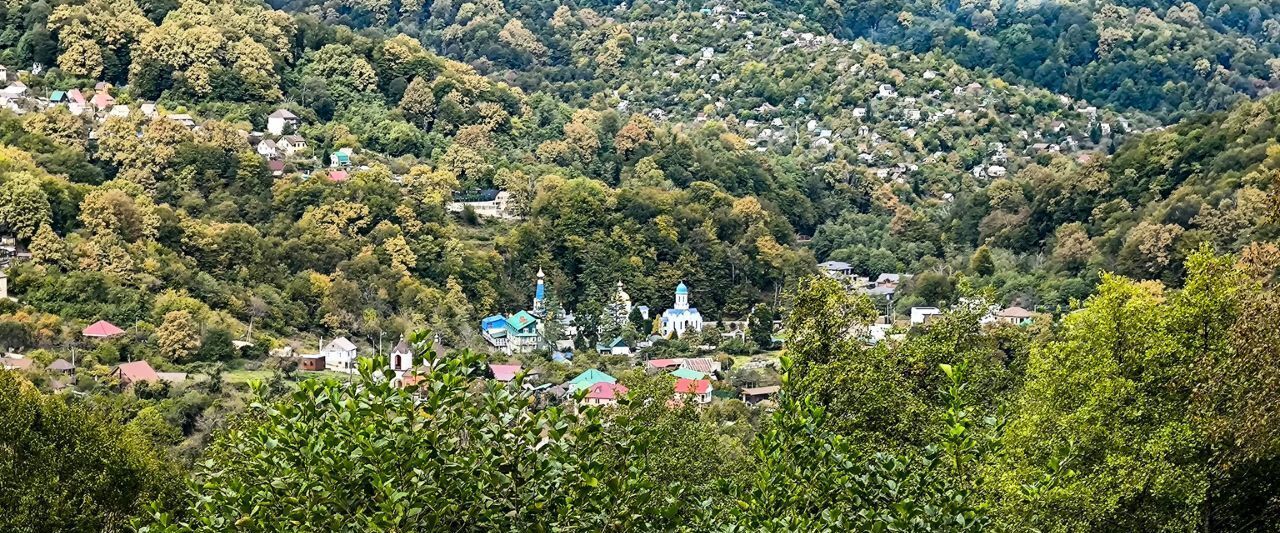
[{"x": 681, "y": 319}]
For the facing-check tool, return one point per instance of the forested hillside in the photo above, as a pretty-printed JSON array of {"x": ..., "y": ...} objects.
[
  {"x": 1170, "y": 58},
  {"x": 554, "y": 265}
]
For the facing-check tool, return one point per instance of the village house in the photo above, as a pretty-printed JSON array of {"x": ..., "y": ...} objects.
[
  {"x": 282, "y": 121},
  {"x": 704, "y": 365},
  {"x": 604, "y": 394},
  {"x": 10, "y": 362},
  {"x": 602, "y": 388},
  {"x": 688, "y": 373},
  {"x": 102, "y": 101},
  {"x": 487, "y": 203},
  {"x": 617, "y": 346},
  {"x": 341, "y": 158},
  {"x": 14, "y": 90},
  {"x": 182, "y": 118},
  {"x": 1015, "y": 315},
  {"x": 172, "y": 377},
  {"x": 653, "y": 366},
  {"x": 889, "y": 280},
  {"x": 698, "y": 390},
  {"x": 339, "y": 355},
  {"x": 922, "y": 315},
  {"x": 312, "y": 362},
  {"x": 836, "y": 269},
  {"x": 61, "y": 366},
  {"x": 504, "y": 373},
  {"x": 291, "y": 145},
  {"x": 755, "y": 395},
  {"x": 522, "y": 332},
  {"x": 134, "y": 372},
  {"x": 267, "y": 148}
]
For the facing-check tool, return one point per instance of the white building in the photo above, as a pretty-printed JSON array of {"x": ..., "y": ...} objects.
[
  {"x": 488, "y": 204},
  {"x": 281, "y": 122},
  {"x": 340, "y": 355},
  {"x": 681, "y": 318},
  {"x": 268, "y": 149},
  {"x": 401, "y": 361},
  {"x": 922, "y": 315}
]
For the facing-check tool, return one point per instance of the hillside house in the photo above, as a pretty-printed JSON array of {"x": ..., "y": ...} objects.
[
  {"x": 705, "y": 365},
  {"x": 488, "y": 203},
  {"x": 1015, "y": 315},
  {"x": 267, "y": 148},
  {"x": 15, "y": 363},
  {"x": 617, "y": 346},
  {"x": 604, "y": 394},
  {"x": 755, "y": 395},
  {"x": 341, "y": 158},
  {"x": 660, "y": 365},
  {"x": 102, "y": 101},
  {"x": 182, "y": 118},
  {"x": 923, "y": 315},
  {"x": 134, "y": 372},
  {"x": 836, "y": 269},
  {"x": 291, "y": 145},
  {"x": 588, "y": 379},
  {"x": 698, "y": 390},
  {"x": 340, "y": 355},
  {"x": 504, "y": 373},
  {"x": 281, "y": 122},
  {"x": 62, "y": 366},
  {"x": 312, "y": 362}
]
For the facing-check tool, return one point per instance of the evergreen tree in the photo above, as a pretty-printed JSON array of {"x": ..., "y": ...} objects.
[
  {"x": 637, "y": 320},
  {"x": 760, "y": 326},
  {"x": 981, "y": 263}
]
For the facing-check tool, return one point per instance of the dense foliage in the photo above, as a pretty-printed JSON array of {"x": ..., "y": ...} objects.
[
  {"x": 337, "y": 457},
  {"x": 69, "y": 467},
  {"x": 1055, "y": 156}
]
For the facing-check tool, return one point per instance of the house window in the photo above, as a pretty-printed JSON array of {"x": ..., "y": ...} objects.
[{"x": 396, "y": 365}]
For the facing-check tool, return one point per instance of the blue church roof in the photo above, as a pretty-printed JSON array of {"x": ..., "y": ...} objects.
[
  {"x": 682, "y": 289},
  {"x": 538, "y": 293}
]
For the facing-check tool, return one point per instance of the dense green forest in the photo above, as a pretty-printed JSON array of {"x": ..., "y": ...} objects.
[{"x": 964, "y": 266}]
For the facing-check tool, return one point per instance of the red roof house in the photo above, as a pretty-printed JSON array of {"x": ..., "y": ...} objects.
[
  {"x": 698, "y": 389},
  {"x": 103, "y": 101},
  {"x": 338, "y": 176},
  {"x": 655, "y": 365},
  {"x": 130, "y": 373},
  {"x": 604, "y": 393},
  {"x": 14, "y": 363},
  {"x": 504, "y": 373},
  {"x": 101, "y": 329}
]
